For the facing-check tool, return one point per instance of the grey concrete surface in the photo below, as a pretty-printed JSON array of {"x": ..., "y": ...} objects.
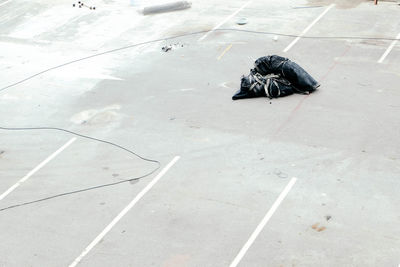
[{"x": 236, "y": 157}]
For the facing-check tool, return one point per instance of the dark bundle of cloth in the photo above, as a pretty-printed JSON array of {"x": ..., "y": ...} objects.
[{"x": 274, "y": 76}]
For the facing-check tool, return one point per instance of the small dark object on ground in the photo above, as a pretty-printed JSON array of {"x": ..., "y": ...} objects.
[
  {"x": 275, "y": 76},
  {"x": 166, "y": 48},
  {"x": 328, "y": 217},
  {"x": 81, "y": 4}
]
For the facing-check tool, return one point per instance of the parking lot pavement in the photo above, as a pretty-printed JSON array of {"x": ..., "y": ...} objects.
[{"x": 338, "y": 145}]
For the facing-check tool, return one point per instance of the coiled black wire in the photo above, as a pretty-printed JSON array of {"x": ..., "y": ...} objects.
[{"x": 88, "y": 188}]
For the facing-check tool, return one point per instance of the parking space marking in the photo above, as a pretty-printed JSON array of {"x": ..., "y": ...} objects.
[
  {"x": 37, "y": 168},
  {"x": 264, "y": 221},
  {"x": 123, "y": 212},
  {"x": 389, "y": 49},
  {"x": 224, "y": 21},
  {"x": 308, "y": 28},
  {"x": 226, "y": 50},
  {"x": 2, "y": 4}
]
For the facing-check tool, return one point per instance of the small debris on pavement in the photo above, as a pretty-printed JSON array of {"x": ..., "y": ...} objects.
[
  {"x": 168, "y": 7},
  {"x": 241, "y": 21},
  {"x": 318, "y": 228},
  {"x": 81, "y": 4},
  {"x": 167, "y": 48}
]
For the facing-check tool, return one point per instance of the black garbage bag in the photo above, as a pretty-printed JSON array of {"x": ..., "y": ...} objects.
[
  {"x": 275, "y": 76},
  {"x": 256, "y": 85},
  {"x": 249, "y": 88},
  {"x": 296, "y": 75},
  {"x": 278, "y": 87},
  {"x": 269, "y": 64}
]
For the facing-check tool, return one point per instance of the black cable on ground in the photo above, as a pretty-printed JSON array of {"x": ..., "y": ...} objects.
[
  {"x": 89, "y": 188},
  {"x": 131, "y": 46},
  {"x": 194, "y": 33},
  {"x": 96, "y": 55}
]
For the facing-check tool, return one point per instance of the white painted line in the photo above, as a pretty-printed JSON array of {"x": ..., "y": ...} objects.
[
  {"x": 224, "y": 21},
  {"x": 123, "y": 212},
  {"x": 388, "y": 50},
  {"x": 187, "y": 89},
  {"x": 308, "y": 28},
  {"x": 38, "y": 167},
  {"x": 263, "y": 223},
  {"x": 2, "y": 4}
]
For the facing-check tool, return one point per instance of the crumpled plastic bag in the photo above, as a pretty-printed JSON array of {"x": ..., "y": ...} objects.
[
  {"x": 275, "y": 76},
  {"x": 289, "y": 70}
]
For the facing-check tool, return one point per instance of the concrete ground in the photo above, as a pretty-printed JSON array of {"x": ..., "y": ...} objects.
[{"x": 323, "y": 170}]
